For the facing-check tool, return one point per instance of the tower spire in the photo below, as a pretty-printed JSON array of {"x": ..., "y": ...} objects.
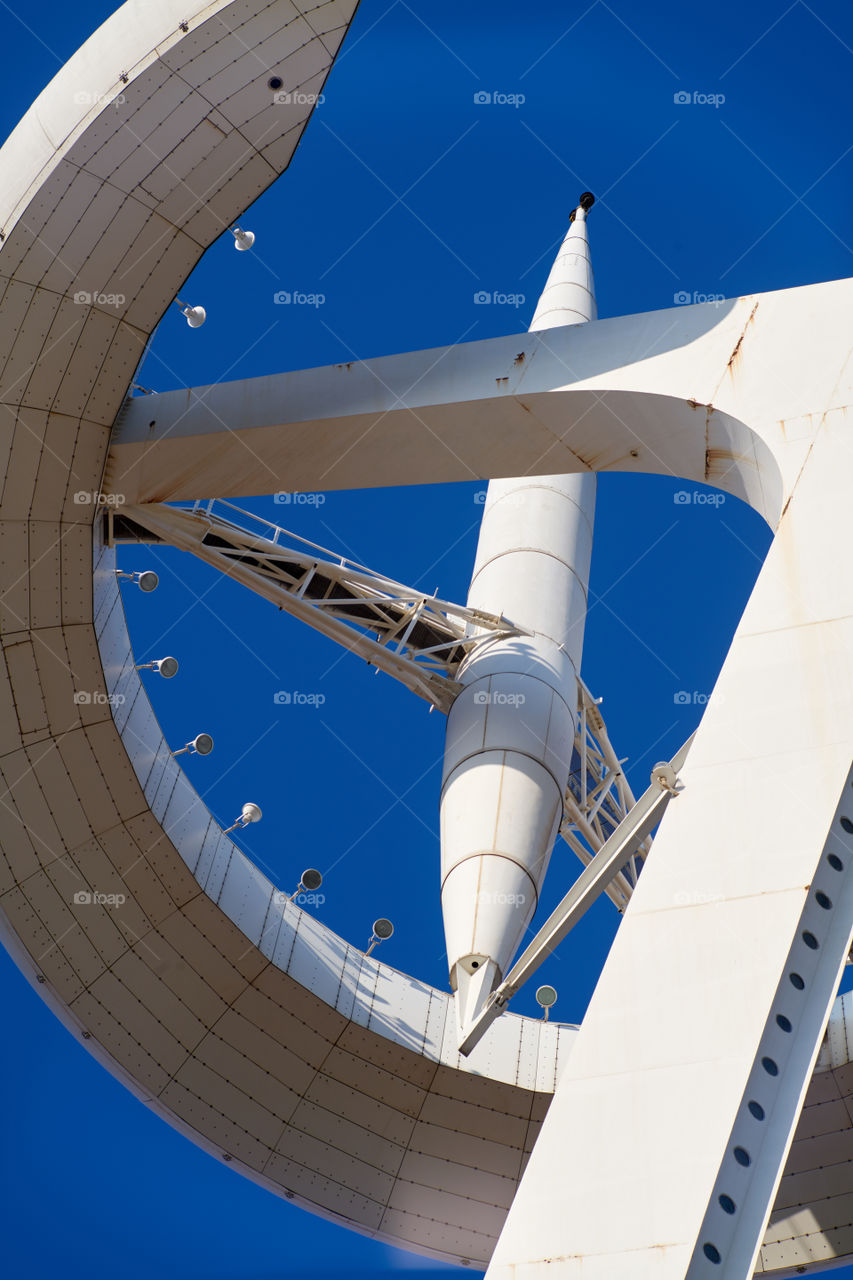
[
  {"x": 569, "y": 293},
  {"x": 510, "y": 732}
]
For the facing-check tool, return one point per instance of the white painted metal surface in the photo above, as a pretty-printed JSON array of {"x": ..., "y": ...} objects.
[
  {"x": 645, "y": 393},
  {"x": 726, "y": 410},
  {"x": 328, "y": 1078},
  {"x": 811, "y": 1226},
  {"x": 169, "y": 992},
  {"x": 731, "y": 889},
  {"x": 511, "y": 729}
]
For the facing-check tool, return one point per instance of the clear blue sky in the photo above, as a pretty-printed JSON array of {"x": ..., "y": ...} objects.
[{"x": 406, "y": 197}]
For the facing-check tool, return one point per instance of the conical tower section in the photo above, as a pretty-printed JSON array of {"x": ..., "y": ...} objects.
[{"x": 511, "y": 730}]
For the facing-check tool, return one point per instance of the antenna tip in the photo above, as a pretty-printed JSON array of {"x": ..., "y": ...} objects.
[{"x": 586, "y": 201}]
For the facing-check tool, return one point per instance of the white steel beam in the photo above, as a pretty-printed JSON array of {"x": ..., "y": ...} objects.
[
  {"x": 696, "y": 1014},
  {"x": 760, "y": 1139},
  {"x": 676, "y": 392},
  {"x": 617, "y": 850}
]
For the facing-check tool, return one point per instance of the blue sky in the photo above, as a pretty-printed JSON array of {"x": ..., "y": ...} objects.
[{"x": 408, "y": 196}]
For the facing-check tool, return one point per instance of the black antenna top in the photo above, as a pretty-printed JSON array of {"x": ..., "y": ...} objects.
[{"x": 586, "y": 202}]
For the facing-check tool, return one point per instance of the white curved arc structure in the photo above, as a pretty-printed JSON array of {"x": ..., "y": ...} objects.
[
  {"x": 240, "y": 1020},
  {"x": 244, "y": 1023}
]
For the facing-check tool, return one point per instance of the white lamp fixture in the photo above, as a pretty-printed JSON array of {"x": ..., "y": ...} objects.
[
  {"x": 250, "y": 813},
  {"x": 196, "y": 316},
  {"x": 546, "y": 997},
  {"x": 309, "y": 881},
  {"x": 201, "y": 745},
  {"x": 147, "y": 580},
  {"x": 382, "y": 929},
  {"x": 242, "y": 239},
  {"x": 166, "y": 667}
]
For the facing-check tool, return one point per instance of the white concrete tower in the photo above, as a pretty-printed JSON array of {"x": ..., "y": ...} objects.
[{"x": 510, "y": 732}]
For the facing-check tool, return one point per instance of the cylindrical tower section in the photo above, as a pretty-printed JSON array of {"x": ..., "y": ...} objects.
[{"x": 510, "y": 731}]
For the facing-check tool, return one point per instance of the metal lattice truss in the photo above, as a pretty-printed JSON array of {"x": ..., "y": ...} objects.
[
  {"x": 598, "y": 797},
  {"x": 420, "y": 640},
  {"x": 416, "y": 638}
]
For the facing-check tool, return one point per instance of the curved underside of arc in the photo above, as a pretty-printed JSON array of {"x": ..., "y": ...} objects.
[{"x": 323, "y": 1075}]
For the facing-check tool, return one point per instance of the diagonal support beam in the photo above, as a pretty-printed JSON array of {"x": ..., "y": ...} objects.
[{"x": 617, "y": 850}]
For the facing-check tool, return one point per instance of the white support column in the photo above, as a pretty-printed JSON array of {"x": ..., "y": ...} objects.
[
  {"x": 719, "y": 983},
  {"x": 510, "y": 732}
]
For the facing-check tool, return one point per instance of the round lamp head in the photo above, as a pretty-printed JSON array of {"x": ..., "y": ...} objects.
[
  {"x": 382, "y": 928},
  {"x": 251, "y": 813},
  {"x": 546, "y": 997},
  {"x": 311, "y": 879},
  {"x": 148, "y": 581},
  {"x": 196, "y": 316},
  {"x": 586, "y": 201},
  {"x": 168, "y": 667},
  {"x": 243, "y": 239},
  {"x": 203, "y": 744},
  {"x": 664, "y": 775}
]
